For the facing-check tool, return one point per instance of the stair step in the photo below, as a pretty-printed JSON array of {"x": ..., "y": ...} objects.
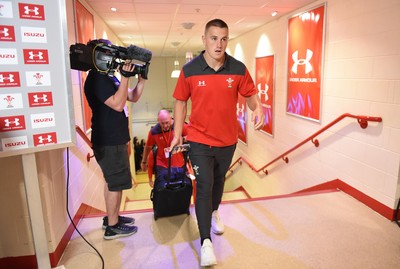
[
  {"x": 138, "y": 205},
  {"x": 234, "y": 195}
]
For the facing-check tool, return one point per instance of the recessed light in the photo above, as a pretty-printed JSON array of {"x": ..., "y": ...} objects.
[
  {"x": 273, "y": 14},
  {"x": 114, "y": 9},
  {"x": 187, "y": 25}
]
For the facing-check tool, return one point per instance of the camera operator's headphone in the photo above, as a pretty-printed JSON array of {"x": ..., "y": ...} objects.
[{"x": 101, "y": 60}]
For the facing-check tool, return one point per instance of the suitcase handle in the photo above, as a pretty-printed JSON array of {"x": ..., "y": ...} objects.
[
  {"x": 175, "y": 185},
  {"x": 185, "y": 148}
]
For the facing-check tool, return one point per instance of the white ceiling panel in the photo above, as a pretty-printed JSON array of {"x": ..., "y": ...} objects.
[{"x": 157, "y": 24}]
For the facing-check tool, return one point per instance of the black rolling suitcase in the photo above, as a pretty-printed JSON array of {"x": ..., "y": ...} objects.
[{"x": 172, "y": 191}]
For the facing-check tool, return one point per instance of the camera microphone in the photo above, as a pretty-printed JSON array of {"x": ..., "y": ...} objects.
[{"x": 140, "y": 54}]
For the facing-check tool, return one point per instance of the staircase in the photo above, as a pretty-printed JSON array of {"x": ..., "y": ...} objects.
[{"x": 319, "y": 230}]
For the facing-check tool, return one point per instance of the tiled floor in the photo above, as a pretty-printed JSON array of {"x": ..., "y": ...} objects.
[{"x": 328, "y": 230}]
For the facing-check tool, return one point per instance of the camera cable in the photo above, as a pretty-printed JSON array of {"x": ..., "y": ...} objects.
[{"x": 70, "y": 218}]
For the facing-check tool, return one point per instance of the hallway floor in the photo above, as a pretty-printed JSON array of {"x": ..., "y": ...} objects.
[{"x": 325, "y": 230}]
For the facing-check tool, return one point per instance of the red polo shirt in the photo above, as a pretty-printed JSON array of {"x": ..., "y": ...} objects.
[{"x": 214, "y": 96}]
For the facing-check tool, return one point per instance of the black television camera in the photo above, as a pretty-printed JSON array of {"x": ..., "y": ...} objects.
[{"x": 105, "y": 57}]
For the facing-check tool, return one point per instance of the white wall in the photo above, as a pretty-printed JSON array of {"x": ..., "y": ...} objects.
[{"x": 361, "y": 76}]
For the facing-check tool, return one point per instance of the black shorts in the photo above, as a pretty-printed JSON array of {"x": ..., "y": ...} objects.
[{"x": 114, "y": 162}]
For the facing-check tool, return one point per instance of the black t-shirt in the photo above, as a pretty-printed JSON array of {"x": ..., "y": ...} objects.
[{"x": 109, "y": 127}]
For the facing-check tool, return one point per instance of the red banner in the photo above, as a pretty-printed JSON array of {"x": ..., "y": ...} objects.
[
  {"x": 85, "y": 29},
  {"x": 305, "y": 52},
  {"x": 265, "y": 87}
]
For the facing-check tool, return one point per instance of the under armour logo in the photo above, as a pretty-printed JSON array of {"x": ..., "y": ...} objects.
[
  {"x": 306, "y": 61},
  {"x": 10, "y": 78},
  {"x": 9, "y": 122},
  {"x": 261, "y": 91},
  {"x": 43, "y": 97},
  {"x": 27, "y": 10},
  {"x": 310, "y": 16},
  {"x": 240, "y": 110},
  {"x": 39, "y": 55},
  {"x": 4, "y": 32},
  {"x": 201, "y": 83},
  {"x": 48, "y": 139}
]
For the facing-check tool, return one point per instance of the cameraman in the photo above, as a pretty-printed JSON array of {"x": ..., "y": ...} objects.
[{"x": 107, "y": 98}]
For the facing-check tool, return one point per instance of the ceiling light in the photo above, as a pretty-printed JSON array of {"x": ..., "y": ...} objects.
[
  {"x": 187, "y": 25},
  {"x": 189, "y": 56},
  {"x": 176, "y": 72},
  {"x": 273, "y": 14},
  {"x": 114, "y": 9},
  {"x": 175, "y": 44}
]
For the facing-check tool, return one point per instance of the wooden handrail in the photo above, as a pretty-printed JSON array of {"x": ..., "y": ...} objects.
[
  {"x": 86, "y": 139},
  {"x": 89, "y": 143},
  {"x": 362, "y": 120}
]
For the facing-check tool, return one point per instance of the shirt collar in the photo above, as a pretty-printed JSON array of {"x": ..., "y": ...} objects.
[{"x": 204, "y": 64}]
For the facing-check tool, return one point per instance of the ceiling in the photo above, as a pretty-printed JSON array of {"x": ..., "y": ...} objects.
[{"x": 173, "y": 27}]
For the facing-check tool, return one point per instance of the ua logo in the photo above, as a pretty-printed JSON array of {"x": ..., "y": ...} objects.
[
  {"x": 33, "y": 55},
  {"x": 240, "y": 110},
  {"x": 4, "y": 32},
  {"x": 10, "y": 78},
  {"x": 263, "y": 91},
  {"x": 34, "y": 10},
  {"x": 8, "y": 122},
  {"x": 37, "y": 97},
  {"x": 306, "y": 61},
  {"x": 47, "y": 139}
]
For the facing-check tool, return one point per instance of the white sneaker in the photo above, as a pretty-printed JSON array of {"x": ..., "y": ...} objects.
[
  {"x": 207, "y": 254},
  {"x": 217, "y": 226}
]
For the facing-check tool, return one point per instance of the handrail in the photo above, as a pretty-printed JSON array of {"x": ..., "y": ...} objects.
[
  {"x": 362, "y": 120},
  {"x": 86, "y": 139}
]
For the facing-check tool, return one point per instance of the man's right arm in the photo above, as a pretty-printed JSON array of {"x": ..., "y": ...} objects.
[
  {"x": 143, "y": 164},
  {"x": 146, "y": 151},
  {"x": 180, "y": 111}
]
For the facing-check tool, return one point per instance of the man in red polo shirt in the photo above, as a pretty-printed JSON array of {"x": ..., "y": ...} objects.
[
  {"x": 212, "y": 81},
  {"x": 161, "y": 135}
]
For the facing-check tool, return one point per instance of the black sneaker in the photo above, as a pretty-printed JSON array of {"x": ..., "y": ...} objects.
[
  {"x": 121, "y": 219},
  {"x": 119, "y": 230}
]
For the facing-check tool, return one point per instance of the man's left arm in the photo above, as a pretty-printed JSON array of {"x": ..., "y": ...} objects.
[{"x": 257, "y": 116}]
